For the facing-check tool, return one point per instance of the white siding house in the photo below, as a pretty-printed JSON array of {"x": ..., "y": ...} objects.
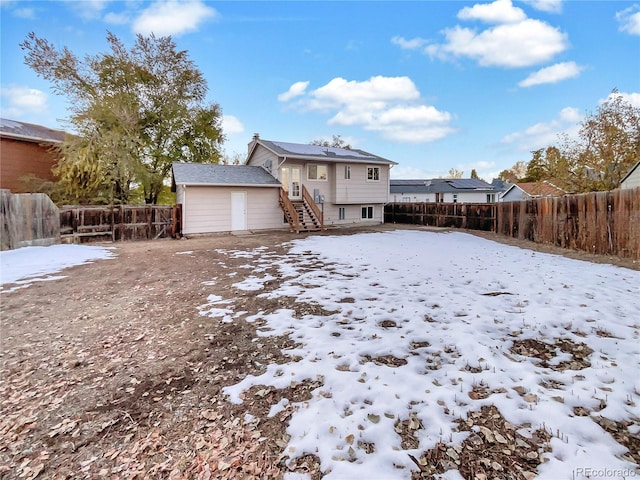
[
  {"x": 223, "y": 198},
  {"x": 632, "y": 178},
  {"x": 348, "y": 185},
  {"x": 447, "y": 190}
]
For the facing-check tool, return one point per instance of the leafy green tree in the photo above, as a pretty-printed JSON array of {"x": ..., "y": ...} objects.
[
  {"x": 474, "y": 174},
  {"x": 134, "y": 112}
]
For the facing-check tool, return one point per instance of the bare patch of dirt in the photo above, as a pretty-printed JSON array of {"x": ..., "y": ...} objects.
[
  {"x": 494, "y": 449},
  {"x": 532, "y": 347}
]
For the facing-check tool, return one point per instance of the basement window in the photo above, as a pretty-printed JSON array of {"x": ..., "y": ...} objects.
[{"x": 367, "y": 212}]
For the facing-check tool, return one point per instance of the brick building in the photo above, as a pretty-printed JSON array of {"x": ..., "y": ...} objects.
[{"x": 26, "y": 149}]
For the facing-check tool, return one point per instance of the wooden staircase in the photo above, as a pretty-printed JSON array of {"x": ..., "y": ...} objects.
[{"x": 304, "y": 215}]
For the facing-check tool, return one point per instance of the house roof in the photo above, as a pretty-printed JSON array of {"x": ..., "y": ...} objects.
[
  {"x": 500, "y": 185},
  {"x": 538, "y": 189},
  {"x": 208, "y": 174},
  {"x": 319, "y": 153},
  {"x": 440, "y": 185},
  {"x": 29, "y": 132},
  {"x": 631, "y": 170}
]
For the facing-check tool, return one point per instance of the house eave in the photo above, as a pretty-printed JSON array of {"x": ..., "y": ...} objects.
[
  {"x": 26, "y": 138},
  {"x": 209, "y": 184},
  {"x": 630, "y": 172},
  {"x": 315, "y": 158}
]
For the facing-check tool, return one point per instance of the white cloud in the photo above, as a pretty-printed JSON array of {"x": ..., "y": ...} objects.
[
  {"x": 632, "y": 98},
  {"x": 28, "y": 13},
  {"x": 522, "y": 44},
  {"x": 414, "y": 173},
  {"x": 543, "y": 134},
  {"x": 412, "y": 44},
  {"x": 553, "y": 74},
  {"x": 629, "y": 20},
  {"x": 88, "y": 9},
  {"x": 516, "y": 41},
  {"x": 116, "y": 18},
  {"x": 231, "y": 125},
  {"x": 19, "y": 101},
  {"x": 22, "y": 12},
  {"x": 390, "y": 106},
  {"x": 295, "y": 90},
  {"x": 500, "y": 11},
  {"x": 173, "y": 17},
  {"x": 549, "y": 6}
]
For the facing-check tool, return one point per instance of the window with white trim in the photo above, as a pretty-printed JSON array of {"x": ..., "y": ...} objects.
[
  {"x": 347, "y": 172},
  {"x": 373, "y": 174},
  {"x": 316, "y": 172},
  {"x": 341, "y": 213},
  {"x": 367, "y": 212},
  {"x": 455, "y": 198}
]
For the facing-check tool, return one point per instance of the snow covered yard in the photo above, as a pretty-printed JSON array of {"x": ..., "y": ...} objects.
[
  {"x": 24, "y": 266},
  {"x": 388, "y": 355},
  {"x": 418, "y": 332}
]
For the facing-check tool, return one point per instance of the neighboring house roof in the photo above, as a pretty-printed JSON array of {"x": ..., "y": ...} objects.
[
  {"x": 29, "y": 132},
  {"x": 500, "y": 185},
  {"x": 221, "y": 175},
  {"x": 303, "y": 151},
  {"x": 538, "y": 189},
  {"x": 440, "y": 185},
  {"x": 630, "y": 172}
]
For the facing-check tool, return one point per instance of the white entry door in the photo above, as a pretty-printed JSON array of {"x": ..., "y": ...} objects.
[
  {"x": 238, "y": 210},
  {"x": 290, "y": 179}
]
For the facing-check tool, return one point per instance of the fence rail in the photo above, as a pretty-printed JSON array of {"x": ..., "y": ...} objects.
[
  {"x": 474, "y": 216},
  {"x": 80, "y": 224},
  {"x": 604, "y": 223}
]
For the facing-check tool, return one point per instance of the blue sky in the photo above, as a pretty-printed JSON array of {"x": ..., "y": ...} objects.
[{"x": 432, "y": 85}]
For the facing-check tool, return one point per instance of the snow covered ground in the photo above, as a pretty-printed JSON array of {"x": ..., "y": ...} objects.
[
  {"x": 23, "y": 266},
  {"x": 421, "y": 320}
]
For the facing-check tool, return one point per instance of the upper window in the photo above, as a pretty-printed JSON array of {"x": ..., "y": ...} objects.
[
  {"x": 316, "y": 172},
  {"x": 347, "y": 172},
  {"x": 373, "y": 174}
]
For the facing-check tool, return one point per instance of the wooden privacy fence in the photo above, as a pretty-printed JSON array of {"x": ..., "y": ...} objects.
[
  {"x": 474, "y": 216},
  {"x": 606, "y": 223},
  {"x": 79, "y": 224},
  {"x": 28, "y": 219}
]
